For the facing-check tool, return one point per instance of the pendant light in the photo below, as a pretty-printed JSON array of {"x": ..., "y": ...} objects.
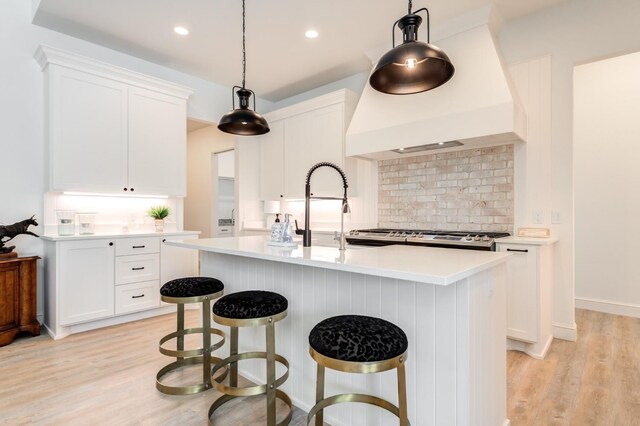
[
  {"x": 413, "y": 66},
  {"x": 243, "y": 120}
]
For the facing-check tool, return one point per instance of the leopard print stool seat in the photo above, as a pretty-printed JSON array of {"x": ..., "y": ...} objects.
[
  {"x": 358, "y": 344},
  {"x": 252, "y": 308},
  {"x": 182, "y": 291}
]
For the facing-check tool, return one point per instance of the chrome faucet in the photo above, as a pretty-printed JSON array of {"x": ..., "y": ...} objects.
[{"x": 306, "y": 239}]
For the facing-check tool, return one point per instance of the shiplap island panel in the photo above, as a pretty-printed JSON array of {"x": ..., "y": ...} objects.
[{"x": 456, "y": 369}]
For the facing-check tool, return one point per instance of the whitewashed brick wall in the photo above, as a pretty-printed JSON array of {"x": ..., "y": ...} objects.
[{"x": 463, "y": 190}]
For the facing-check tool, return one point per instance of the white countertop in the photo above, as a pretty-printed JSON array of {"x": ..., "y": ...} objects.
[
  {"x": 421, "y": 264},
  {"x": 56, "y": 237}
]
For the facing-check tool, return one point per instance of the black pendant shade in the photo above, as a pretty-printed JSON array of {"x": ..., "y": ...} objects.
[
  {"x": 243, "y": 121},
  {"x": 413, "y": 66}
]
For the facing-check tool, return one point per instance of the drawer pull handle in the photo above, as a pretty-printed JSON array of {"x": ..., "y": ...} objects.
[
  {"x": 138, "y": 246},
  {"x": 138, "y": 269},
  {"x": 519, "y": 251},
  {"x": 137, "y": 297}
]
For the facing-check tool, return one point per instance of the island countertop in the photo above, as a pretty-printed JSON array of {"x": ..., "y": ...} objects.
[{"x": 429, "y": 265}]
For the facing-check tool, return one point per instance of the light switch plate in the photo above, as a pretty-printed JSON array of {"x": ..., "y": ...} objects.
[{"x": 555, "y": 217}]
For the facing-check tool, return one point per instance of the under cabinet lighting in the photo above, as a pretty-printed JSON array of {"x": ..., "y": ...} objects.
[
  {"x": 97, "y": 194},
  {"x": 181, "y": 30}
]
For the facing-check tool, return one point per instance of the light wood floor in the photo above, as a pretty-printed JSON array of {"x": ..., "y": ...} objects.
[
  {"x": 594, "y": 381},
  {"x": 94, "y": 378}
]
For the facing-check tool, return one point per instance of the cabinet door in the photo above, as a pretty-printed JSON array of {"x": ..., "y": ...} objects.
[
  {"x": 523, "y": 300},
  {"x": 88, "y": 132},
  {"x": 272, "y": 162},
  {"x": 86, "y": 280},
  {"x": 177, "y": 262},
  {"x": 310, "y": 138},
  {"x": 157, "y": 143}
]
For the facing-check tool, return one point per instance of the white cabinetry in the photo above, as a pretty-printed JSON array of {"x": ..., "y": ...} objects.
[
  {"x": 96, "y": 282},
  {"x": 529, "y": 296},
  {"x": 301, "y": 136},
  {"x": 86, "y": 280},
  {"x": 112, "y": 130}
]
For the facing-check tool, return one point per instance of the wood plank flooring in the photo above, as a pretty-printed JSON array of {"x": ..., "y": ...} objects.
[
  {"x": 107, "y": 377},
  {"x": 594, "y": 381}
]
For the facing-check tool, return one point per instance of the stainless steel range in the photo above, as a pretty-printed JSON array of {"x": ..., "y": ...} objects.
[{"x": 472, "y": 240}]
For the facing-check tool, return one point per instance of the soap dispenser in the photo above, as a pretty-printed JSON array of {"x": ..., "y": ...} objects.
[
  {"x": 287, "y": 232},
  {"x": 276, "y": 230}
]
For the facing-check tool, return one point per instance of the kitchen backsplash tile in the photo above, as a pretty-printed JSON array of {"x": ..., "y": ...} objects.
[{"x": 462, "y": 190}]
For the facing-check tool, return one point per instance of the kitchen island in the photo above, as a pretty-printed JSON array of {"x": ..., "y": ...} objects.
[{"x": 451, "y": 304}]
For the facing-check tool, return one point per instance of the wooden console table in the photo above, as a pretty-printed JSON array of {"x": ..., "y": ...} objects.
[{"x": 18, "y": 298}]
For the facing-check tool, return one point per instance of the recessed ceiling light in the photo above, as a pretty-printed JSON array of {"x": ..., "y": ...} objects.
[
  {"x": 181, "y": 30},
  {"x": 311, "y": 34}
]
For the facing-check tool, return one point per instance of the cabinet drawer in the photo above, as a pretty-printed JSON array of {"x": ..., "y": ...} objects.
[
  {"x": 137, "y": 268},
  {"x": 129, "y": 246},
  {"x": 137, "y": 297}
]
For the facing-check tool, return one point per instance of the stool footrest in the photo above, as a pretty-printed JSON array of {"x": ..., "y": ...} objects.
[
  {"x": 191, "y": 352},
  {"x": 279, "y": 394},
  {"x": 185, "y": 390},
  {"x": 353, "y": 397},
  {"x": 252, "y": 390}
]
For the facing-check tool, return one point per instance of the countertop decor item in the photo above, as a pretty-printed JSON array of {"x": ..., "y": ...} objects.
[
  {"x": 9, "y": 232},
  {"x": 243, "y": 120},
  {"x": 159, "y": 214},
  {"x": 413, "y": 66}
]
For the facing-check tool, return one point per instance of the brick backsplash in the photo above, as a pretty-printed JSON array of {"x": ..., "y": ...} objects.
[{"x": 463, "y": 190}]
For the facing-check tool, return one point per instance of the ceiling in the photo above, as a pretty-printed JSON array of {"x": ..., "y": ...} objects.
[{"x": 281, "y": 61}]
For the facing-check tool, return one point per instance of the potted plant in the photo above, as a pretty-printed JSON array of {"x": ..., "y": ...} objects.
[{"x": 159, "y": 213}]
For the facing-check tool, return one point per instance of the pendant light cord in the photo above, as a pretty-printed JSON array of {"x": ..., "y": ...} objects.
[
  {"x": 244, "y": 43},
  {"x": 410, "y": 6}
]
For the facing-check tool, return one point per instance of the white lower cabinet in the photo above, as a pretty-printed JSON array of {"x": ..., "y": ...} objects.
[
  {"x": 93, "y": 283},
  {"x": 86, "y": 276},
  {"x": 529, "y": 297}
]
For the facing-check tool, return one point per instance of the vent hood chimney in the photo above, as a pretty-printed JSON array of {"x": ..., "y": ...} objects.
[{"x": 477, "y": 107}]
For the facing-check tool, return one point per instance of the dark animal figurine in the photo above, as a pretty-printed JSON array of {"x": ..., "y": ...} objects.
[{"x": 9, "y": 232}]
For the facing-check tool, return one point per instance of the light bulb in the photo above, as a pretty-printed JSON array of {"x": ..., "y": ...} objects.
[
  {"x": 181, "y": 30},
  {"x": 411, "y": 63}
]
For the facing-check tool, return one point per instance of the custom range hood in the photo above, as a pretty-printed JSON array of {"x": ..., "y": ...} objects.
[{"x": 477, "y": 107}]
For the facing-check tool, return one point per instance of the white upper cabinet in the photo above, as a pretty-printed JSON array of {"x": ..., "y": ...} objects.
[
  {"x": 302, "y": 135},
  {"x": 157, "y": 143},
  {"x": 112, "y": 130},
  {"x": 88, "y": 132},
  {"x": 272, "y": 162}
]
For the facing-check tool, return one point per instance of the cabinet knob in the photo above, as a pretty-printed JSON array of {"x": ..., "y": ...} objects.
[
  {"x": 281, "y": 196},
  {"x": 164, "y": 240},
  {"x": 111, "y": 244},
  {"x": 132, "y": 189},
  {"x": 126, "y": 189}
]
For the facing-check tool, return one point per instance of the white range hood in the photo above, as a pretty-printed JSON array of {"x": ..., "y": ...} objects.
[{"x": 477, "y": 107}]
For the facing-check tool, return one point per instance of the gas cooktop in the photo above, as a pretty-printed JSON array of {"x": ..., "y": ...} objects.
[{"x": 471, "y": 240}]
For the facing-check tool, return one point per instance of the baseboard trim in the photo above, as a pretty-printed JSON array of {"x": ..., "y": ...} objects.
[
  {"x": 530, "y": 348},
  {"x": 608, "y": 307},
  {"x": 565, "y": 332}
]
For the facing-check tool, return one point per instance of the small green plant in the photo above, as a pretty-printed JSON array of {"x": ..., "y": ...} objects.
[{"x": 158, "y": 212}]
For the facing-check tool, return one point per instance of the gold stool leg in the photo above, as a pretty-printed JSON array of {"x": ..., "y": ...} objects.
[
  {"x": 180, "y": 329},
  {"x": 320, "y": 393},
  {"x": 206, "y": 342},
  {"x": 402, "y": 395},
  {"x": 233, "y": 350},
  {"x": 271, "y": 374}
]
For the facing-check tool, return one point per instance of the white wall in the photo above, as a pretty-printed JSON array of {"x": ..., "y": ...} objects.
[
  {"x": 607, "y": 177},
  {"x": 22, "y": 111},
  {"x": 201, "y": 144},
  {"x": 574, "y": 32}
]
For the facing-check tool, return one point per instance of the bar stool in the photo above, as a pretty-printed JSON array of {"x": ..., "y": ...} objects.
[
  {"x": 252, "y": 309},
  {"x": 191, "y": 290},
  {"x": 358, "y": 344}
]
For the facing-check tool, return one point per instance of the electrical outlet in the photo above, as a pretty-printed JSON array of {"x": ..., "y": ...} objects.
[
  {"x": 555, "y": 217},
  {"x": 537, "y": 218}
]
